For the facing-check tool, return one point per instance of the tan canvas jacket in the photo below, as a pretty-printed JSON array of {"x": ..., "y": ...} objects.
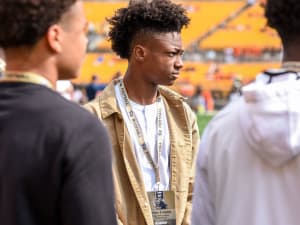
[{"x": 132, "y": 205}]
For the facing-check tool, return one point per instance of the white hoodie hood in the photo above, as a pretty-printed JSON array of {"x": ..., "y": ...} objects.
[{"x": 270, "y": 117}]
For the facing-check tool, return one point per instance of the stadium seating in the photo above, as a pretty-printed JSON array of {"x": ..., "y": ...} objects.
[
  {"x": 206, "y": 13},
  {"x": 247, "y": 30}
]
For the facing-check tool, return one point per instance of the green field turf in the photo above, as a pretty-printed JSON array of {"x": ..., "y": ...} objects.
[{"x": 203, "y": 120}]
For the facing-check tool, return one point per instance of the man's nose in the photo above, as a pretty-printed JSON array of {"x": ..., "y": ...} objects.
[{"x": 179, "y": 62}]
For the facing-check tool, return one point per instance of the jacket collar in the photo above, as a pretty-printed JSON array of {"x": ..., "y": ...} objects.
[
  {"x": 108, "y": 102},
  {"x": 170, "y": 95}
]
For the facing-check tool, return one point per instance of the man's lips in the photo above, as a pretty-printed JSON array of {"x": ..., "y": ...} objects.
[{"x": 175, "y": 75}]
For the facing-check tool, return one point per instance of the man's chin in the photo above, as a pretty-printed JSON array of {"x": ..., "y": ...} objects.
[
  {"x": 169, "y": 83},
  {"x": 172, "y": 81}
]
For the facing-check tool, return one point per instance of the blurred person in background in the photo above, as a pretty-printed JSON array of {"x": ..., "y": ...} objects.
[
  {"x": 154, "y": 132},
  {"x": 197, "y": 101},
  {"x": 93, "y": 88},
  {"x": 248, "y": 168},
  {"x": 65, "y": 88},
  {"x": 55, "y": 162},
  {"x": 79, "y": 95},
  {"x": 251, "y": 2},
  {"x": 235, "y": 91}
]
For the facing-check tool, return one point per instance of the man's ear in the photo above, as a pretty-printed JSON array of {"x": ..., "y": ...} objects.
[
  {"x": 54, "y": 37},
  {"x": 139, "y": 53}
]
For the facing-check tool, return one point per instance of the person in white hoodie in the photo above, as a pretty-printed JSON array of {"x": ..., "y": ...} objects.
[{"x": 248, "y": 168}]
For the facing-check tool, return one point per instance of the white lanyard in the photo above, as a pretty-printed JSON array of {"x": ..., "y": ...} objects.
[
  {"x": 139, "y": 133},
  {"x": 26, "y": 78}
]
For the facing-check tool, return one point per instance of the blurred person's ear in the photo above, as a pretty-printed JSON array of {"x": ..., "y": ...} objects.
[{"x": 54, "y": 37}]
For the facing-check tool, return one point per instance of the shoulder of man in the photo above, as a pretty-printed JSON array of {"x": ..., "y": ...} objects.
[
  {"x": 77, "y": 117},
  {"x": 225, "y": 118},
  {"x": 106, "y": 102},
  {"x": 173, "y": 97},
  {"x": 169, "y": 93}
]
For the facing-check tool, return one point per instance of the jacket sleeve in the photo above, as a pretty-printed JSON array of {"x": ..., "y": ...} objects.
[
  {"x": 203, "y": 212},
  {"x": 87, "y": 195},
  {"x": 195, "y": 142}
]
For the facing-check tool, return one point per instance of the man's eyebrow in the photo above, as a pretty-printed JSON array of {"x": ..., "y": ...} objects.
[{"x": 179, "y": 50}]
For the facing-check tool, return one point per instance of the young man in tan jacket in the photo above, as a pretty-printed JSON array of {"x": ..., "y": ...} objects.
[{"x": 154, "y": 132}]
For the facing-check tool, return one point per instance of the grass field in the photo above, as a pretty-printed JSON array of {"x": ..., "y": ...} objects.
[{"x": 203, "y": 120}]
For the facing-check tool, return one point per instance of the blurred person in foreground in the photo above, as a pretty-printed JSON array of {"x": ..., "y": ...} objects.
[
  {"x": 248, "y": 168},
  {"x": 154, "y": 132},
  {"x": 55, "y": 163}
]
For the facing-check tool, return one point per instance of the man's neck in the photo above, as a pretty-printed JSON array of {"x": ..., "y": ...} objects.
[
  {"x": 51, "y": 79},
  {"x": 24, "y": 65},
  {"x": 140, "y": 91}
]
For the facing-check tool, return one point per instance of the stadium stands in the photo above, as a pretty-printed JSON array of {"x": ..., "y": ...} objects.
[
  {"x": 204, "y": 15},
  {"x": 207, "y": 13},
  {"x": 248, "y": 30}
]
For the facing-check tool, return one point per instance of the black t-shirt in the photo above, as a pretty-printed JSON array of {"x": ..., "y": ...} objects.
[{"x": 55, "y": 160}]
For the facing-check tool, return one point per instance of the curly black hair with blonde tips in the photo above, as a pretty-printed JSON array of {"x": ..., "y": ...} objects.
[
  {"x": 24, "y": 22},
  {"x": 158, "y": 16},
  {"x": 284, "y": 16}
]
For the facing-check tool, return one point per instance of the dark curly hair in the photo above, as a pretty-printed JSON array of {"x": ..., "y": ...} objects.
[
  {"x": 158, "y": 16},
  {"x": 24, "y": 22},
  {"x": 284, "y": 16}
]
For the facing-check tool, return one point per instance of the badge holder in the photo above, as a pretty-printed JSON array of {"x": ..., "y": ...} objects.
[{"x": 162, "y": 206}]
